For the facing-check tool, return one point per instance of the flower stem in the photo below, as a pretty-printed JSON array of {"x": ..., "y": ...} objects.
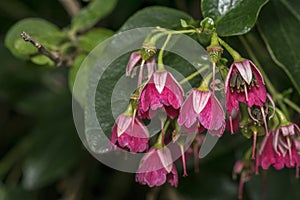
[
  {"x": 160, "y": 55},
  {"x": 282, "y": 118},
  {"x": 183, "y": 160},
  {"x": 160, "y": 140},
  {"x": 235, "y": 55},
  {"x": 214, "y": 39},
  {"x": 183, "y": 31},
  {"x": 204, "y": 86},
  {"x": 129, "y": 110},
  {"x": 193, "y": 75}
]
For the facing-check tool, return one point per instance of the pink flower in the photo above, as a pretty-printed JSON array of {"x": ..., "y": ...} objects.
[
  {"x": 279, "y": 149},
  {"x": 129, "y": 133},
  {"x": 244, "y": 83},
  {"x": 266, "y": 156},
  {"x": 202, "y": 108},
  {"x": 156, "y": 168},
  {"x": 134, "y": 60},
  {"x": 162, "y": 90}
]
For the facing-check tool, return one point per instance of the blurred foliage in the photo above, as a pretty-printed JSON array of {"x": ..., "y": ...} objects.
[{"x": 41, "y": 154}]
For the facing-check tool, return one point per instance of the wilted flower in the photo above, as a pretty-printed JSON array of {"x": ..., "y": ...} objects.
[
  {"x": 156, "y": 168},
  {"x": 202, "y": 108},
  {"x": 129, "y": 133},
  {"x": 161, "y": 90}
]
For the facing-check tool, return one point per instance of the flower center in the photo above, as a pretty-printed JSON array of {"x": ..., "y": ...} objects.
[{"x": 237, "y": 82}]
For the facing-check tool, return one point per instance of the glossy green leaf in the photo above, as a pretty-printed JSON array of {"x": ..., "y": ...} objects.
[
  {"x": 91, "y": 39},
  {"x": 41, "y": 30},
  {"x": 232, "y": 17},
  {"x": 156, "y": 16},
  {"x": 279, "y": 26},
  {"x": 90, "y": 15}
]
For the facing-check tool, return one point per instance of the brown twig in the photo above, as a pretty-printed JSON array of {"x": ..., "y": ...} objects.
[
  {"x": 71, "y": 6},
  {"x": 42, "y": 50}
]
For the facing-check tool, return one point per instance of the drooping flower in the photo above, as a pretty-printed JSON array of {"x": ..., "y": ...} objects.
[
  {"x": 135, "y": 59},
  {"x": 161, "y": 91},
  {"x": 202, "y": 108},
  {"x": 130, "y": 134},
  {"x": 156, "y": 167},
  {"x": 244, "y": 83},
  {"x": 267, "y": 156},
  {"x": 280, "y": 148}
]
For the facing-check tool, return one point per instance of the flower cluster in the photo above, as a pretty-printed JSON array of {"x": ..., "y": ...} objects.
[
  {"x": 160, "y": 92},
  {"x": 250, "y": 109}
]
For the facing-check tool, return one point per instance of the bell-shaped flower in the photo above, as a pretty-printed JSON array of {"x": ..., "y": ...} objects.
[
  {"x": 130, "y": 134},
  {"x": 244, "y": 83},
  {"x": 157, "y": 167},
  {"x": 161, "y": 91},
  {"x": 202, "y": 109},
  {"x": 280, "y": 148}
]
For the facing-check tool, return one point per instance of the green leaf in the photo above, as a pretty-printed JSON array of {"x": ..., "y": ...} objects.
[
  {"x": 41, "y": 30},
  {"x": 279, "y": 27},
  {"x": 90, "y": 15},
  {"x": 183, "y": 23},
  {"x": 232, "y": 17},
  {"x": 156, "y": 16},
  {"x": 42, "y": 60},
  {"x": 92, "y": 38}
]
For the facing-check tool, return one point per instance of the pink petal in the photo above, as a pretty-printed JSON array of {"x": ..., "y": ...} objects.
[
  {"x": 134, "y": 59},
  {"x": 122, "y": 123},
  {"x": 173, "y": 177},
  {"x": 187, "y": 115},
  {"x": 160, "y": 80},
  {"x": 161, "y": 90},
  {"x": 151, "y": 65},
  {"x": 244, "y": 68},
  {"x": 200, "y": 99},
  {"x": 154, "y": 178},
  {"x": 174, "y": 86},
  {"x": 171, "y": 112},
  {"x": 227, "y": 81},
  {"x": 150, "y": 162},
  {"x": 257, "y": 73},
  {"x": 165, "y": 158},
  {"x": 212, "y": 117}
]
